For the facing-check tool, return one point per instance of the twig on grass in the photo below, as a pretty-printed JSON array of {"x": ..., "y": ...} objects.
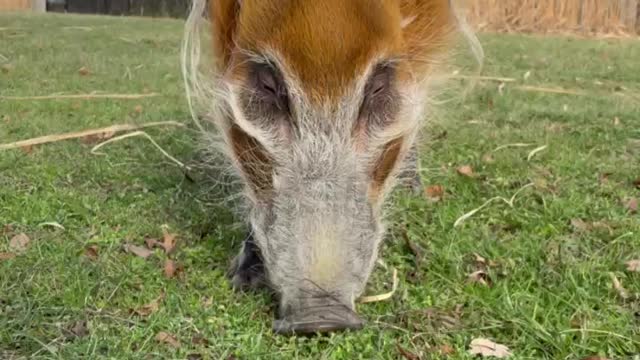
[
  {"x": 80, "y": 134},
  {"x": 509, "y": 202},
  {"x": 512, "y": 145},
  {"x": 385, "y": 296},
  {"x": 549, "y": 90},
  {"x": 483, "y": 78},
  {"x": 81, "y": 96},
  {"x": 139, "y": 133},
  {"x": 535, "y": 151}
]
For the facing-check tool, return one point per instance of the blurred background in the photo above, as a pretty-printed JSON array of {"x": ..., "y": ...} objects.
[{"x": 586, "y": 16}]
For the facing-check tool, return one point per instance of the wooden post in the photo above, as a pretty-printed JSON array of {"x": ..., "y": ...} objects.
[{"x": 39, "y": 6}]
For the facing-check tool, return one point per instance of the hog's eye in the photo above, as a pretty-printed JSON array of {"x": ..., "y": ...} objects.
[
  {"x": 269, "y": 87},
  {"x": 380, "y": 97}
]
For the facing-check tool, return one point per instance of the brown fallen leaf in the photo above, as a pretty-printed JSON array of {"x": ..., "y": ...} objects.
[
  {"x": 84, "y": 71},
  {"x": 19, "y": 243},
  {"x": 152, "y": 243},
  {"x": 406, "y": 353},
  {"x": 170, "y": 268},
  {"x": 465, "y": 170},
  {"x": 6, "y": 256},
  {"x": 487, "y": 348},
  {"x": 138, "y": 250},
  {"x": 27, "y": 149},
  {"x": 151, "y": 307},
  {"x": 480, "y": 277},
  {"x": 632, "y": 205},
  {"x": 169, "y": 241},
  {"x": 636, "y": 183},
  {"x": 138, "y": 109},
  {"x": 633, "y": 265},
  {"x": 580, "y": 226},
  {"x": 164, "y": 337},
  {"x": 434, "y": 192},
  {"x": 198, "y": 339},
  {"x": 91, "y": 252},
  {"x": 446, "y": 350}
]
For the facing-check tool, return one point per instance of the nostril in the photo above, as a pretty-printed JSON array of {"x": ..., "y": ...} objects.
[{"x": 318, "y": 321}]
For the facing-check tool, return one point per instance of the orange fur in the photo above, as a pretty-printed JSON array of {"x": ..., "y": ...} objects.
[{"x": 329, "y": 43}]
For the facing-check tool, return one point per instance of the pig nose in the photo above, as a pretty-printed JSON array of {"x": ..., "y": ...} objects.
[{"x": 318, "y": 320}]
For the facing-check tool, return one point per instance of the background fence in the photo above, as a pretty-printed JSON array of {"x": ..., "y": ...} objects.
[
  {"x": 583, "y": 16},
  {"x": 12, "y": 5}
]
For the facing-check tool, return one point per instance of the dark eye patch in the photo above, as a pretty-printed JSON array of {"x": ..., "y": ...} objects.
[
  {"x": 268, "y": 86},
  {"x": 380, "y": 102}
]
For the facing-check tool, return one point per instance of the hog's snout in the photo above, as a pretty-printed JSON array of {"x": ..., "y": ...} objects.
[{"x": 318, "y": 317}]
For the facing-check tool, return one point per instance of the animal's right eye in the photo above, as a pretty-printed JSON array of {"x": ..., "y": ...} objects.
[{"x": 269, "y": 86}]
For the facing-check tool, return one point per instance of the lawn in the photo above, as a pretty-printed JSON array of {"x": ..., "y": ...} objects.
[{"x": 547, "y": 262}]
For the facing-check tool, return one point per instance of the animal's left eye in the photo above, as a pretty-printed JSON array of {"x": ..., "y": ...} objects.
[
  {"x": 380, "y": 80},
  {"x": 269, "y": 87},
  {"x": 380, "y": 102}
]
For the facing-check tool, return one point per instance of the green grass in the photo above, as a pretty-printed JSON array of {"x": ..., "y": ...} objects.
[{"x": 551, "y": 295}]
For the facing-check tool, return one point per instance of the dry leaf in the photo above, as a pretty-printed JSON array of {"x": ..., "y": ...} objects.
[
  {"x": 151, "y": 307},
  {"x": 198, "y": 339},
  {"x": 580, "y": 226},
  {"x": 138, "y": 250},
  {"x": 407, "y": 354},
  {"x": 465, "y": 170},
  {"x": 636, "y": 183},
  {"x": 616, "y": 121},
  {"x": 446, "y": 350},
  {"x": 91, "y": 252},
  {"x": 27, "y": 149},
  {"x": 138, "y": 109},
  {"x": 19, "y": 243},
  {"x": 84, "y": 71},
  {"x": 152, "y": 243},
  {"x": 480, "y": 277},
  {"x": 617, "y": 286},
  {"x": 633, "y": 265},
  {"x": 480, "y": 259},
  {"x": 169, "y": 241},
  {"x": 170, "y": 268},
  {"x": 167, "y": 338},
  {"x": 632, "y": 205},
  {"x": 434, "y": 192},
  {"x": 486, "y": 348},
  {"x": 595, "y": 357},
  {"x": 6, "y": 256},
  {"x": 194, "y": 356}
]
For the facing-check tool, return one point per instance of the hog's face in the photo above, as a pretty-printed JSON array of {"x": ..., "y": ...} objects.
[{"x": 321, "y": 103}]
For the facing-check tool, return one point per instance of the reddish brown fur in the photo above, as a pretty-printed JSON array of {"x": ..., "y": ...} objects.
[{"x": 328, "y": 44}]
